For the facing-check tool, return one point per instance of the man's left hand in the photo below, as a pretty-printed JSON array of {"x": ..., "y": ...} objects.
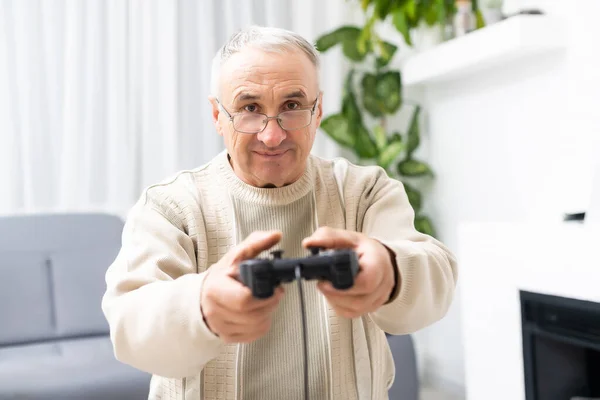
[{"x": 374, "y": 282}]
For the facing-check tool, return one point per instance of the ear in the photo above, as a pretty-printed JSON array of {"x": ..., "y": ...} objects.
[
  {"x": 216, "y": 111},
  {"x": 320, "y": 109}
]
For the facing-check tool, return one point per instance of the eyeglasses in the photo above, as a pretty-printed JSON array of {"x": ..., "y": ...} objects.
[{"x": 252, "y": 123}]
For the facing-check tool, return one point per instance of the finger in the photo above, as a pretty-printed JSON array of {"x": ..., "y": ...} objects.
[
  {"x": 229, "y": 318},
  {"x": 363, "y": 284},
  {"x": 264, "y": 305},
  {"x": 377, "y": 302},
  {"x": 381, "y": 300},
  {"x": 245, "y": 333},
  {"x": 236, "y": 297},
  {"x": 331, "y": 238},
  {"x": 255, "y": 243},
  {"x": 242, "y": 323},
  {"x": 356, "y": 306},
  {"x": 357, "y": 302}
]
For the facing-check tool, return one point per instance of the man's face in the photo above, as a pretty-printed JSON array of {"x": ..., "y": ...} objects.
[{"x": 255, "y": 81}]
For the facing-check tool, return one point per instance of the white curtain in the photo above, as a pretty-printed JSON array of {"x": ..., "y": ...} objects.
[{"x": 100, "y": 98}]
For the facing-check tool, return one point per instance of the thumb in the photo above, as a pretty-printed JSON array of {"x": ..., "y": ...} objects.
[
  {"x": 255, "y": 243},
  {"x": 331, "y": 238}
]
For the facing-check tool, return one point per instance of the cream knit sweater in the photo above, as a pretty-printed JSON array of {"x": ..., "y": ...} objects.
[{"x": 180, "y": 227}]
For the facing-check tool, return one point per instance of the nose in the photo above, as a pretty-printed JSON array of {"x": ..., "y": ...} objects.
[{"x": 272, "y": 135}]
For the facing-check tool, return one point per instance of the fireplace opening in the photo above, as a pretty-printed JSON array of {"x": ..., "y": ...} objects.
[{"x": 561, "y": 347}]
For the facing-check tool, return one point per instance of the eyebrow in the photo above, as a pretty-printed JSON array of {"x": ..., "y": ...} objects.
[
  {"x": 297, "y": 94},
  {"x": 246, "y": 96}
]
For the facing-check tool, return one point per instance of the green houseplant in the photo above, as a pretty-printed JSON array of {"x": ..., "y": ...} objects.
[{"x": 373, "y": 92}]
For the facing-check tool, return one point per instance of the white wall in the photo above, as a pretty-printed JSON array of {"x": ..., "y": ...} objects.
[{"x": 513, "y": 143}]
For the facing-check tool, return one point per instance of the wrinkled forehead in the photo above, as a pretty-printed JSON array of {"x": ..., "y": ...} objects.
[{"x": 268, "y": 74}]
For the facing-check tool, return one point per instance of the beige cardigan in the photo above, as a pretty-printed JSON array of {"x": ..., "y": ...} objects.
[{"x": 182, "y": 226}]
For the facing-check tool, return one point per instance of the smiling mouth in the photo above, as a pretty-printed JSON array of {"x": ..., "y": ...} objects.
[{"x": 271, "y": 154}]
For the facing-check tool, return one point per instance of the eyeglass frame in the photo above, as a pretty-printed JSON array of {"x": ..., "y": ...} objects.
[{"x": 268, "y": 118}]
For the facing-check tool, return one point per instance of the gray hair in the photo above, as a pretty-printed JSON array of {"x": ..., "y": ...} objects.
[{"x": 264, "y": 38}]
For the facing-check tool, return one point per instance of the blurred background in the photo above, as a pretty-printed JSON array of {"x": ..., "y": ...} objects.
[{"x": 486, "y": 110}]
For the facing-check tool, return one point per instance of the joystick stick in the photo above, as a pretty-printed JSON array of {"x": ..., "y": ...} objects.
[
  {"x": 314, "y": 250},
  {"x": 263, "y": 275},
  {"x": 277, "y": 253}
]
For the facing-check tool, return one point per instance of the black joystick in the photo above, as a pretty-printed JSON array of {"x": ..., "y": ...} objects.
[
  {"x": 263, "y": 275},
  {"x": 277, "y": 253},
  {"x": 314, "y": 250}
]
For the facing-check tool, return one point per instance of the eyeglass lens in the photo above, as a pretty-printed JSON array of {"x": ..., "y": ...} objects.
[{"x": 288, "y": 120}]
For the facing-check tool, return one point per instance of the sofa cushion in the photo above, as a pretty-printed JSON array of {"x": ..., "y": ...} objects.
[
  {"x": 98, "y": 381},
  {"x": 46, "y": 233},
  {"x": 52, "y": 270},
  {"x": 26, "y": 310},
  {"x": 73, "y": 350},
  {"x": 69, "y": 369},
  {"x": 44, "y": 296},
  {"x": 78, "y": 280}
]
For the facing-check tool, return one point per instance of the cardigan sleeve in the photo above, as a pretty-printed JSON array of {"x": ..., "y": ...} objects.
[
  {"x": 427, "y": 271},
  {"x": 152, "y": 298}
]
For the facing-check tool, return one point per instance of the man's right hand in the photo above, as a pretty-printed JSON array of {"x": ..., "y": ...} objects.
[{"x": 228, "y": 307}]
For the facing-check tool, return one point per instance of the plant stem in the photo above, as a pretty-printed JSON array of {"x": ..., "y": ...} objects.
[{"x": 383, "y": 122}]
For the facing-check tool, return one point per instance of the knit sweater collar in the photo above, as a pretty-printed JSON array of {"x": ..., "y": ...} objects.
[{"x": 269, "y": 196}]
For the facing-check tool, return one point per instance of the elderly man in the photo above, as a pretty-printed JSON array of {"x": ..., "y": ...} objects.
[{"x": 174, "y": 300}]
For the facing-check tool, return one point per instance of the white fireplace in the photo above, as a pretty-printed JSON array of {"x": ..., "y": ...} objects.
[{"x": 497, "y": 262}]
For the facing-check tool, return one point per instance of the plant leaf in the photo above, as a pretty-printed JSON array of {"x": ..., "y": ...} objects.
[
  {"x": 430, "y": 15},
  {"x": 396, "y": 137},
  {"x": 369, "y": 94},
  {"x": 440, "y": 7},
  {"x": 352, "y": 51},
  {"x": 414, "y": 136},
  {"x": 389, "y": 91},
  {"x": 382, "y": 8},
  {"x": 364, "y": 44},
  {"x": 380, "y": 137},
  {"x": 400, "y": 21},
  {"x": 340, "y": 35},
  {"x": 365, "y": 145},
  {"x": 350, "y": 108},
  {"x": 479, "y": 20},
  {"x": 336, "y": 127},
  {"x": 381, "y": 93},
  {"x": 363, "y": 39},
  {"x": 413, "y": 168},
  {"x": 414, "y": 197},
  {"x": 348, "y": 37},
  {"x": 387, "y": 53},
  {"x": 389, "y": 154},
  {"x": 410, "y": 8},
  {"x": 423, "y": 224}
]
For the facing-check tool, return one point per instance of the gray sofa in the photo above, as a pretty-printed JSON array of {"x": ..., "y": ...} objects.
[
  {"x": 406, "y": 382},
  {"x": 54, "y": 339}
]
